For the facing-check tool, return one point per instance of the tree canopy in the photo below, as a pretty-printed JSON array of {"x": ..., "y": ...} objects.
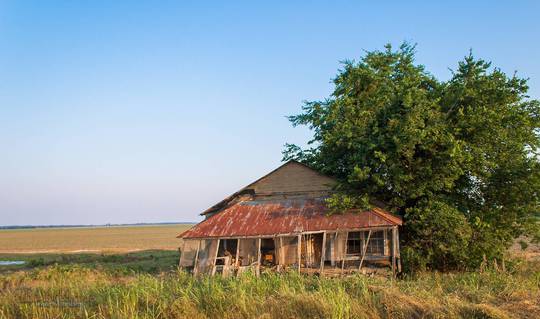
[{"x": 458, "y": 159}]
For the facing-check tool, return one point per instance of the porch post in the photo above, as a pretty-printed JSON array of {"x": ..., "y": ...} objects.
[
  {"x": 299, "y": 251},
  {"x": 281, "y": 256},
  {"x": 398, "y": 252},
  {"x": 237, "y": 258},
  {"x": 394, "y": 249},
  {"x": 344, "y": 252},
  {"x": 258, "y": 269},
  {"x": 323, "y": 252}
]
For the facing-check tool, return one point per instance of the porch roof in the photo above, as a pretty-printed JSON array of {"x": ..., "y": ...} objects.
[{"x": 285, "y": 216}]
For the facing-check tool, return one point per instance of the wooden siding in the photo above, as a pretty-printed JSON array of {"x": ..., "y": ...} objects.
[{"x": 293, "y": 178}]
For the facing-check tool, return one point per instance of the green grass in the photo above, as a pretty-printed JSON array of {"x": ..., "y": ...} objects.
[
  {"x": 142, "y": 285},
  {"x": 149, "y": 261}
]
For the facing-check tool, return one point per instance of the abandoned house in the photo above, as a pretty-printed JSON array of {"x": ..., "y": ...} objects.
[{"x": 280, "y": 222}]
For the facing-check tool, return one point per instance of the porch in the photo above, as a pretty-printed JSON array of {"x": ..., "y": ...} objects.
[{"x": 326, "y": 253}]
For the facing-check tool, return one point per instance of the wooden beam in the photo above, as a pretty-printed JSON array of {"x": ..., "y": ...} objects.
[
  {"x": 363, "y": 241},
  {"x": 344, "y": 252},
  {"x": 364, "y": 251},
  {"x": 323, "y": 253}
]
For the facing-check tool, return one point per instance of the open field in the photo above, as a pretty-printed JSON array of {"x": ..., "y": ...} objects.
[
  {"x": 91, "y": 239},
  {"x": 147, "y": 284},
  {"x": 101, "y": 287}
]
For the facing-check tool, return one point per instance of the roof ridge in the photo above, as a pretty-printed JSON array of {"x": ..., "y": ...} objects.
[
  {"x": 387, "y": 215},
  {"x": 231, "y": 197}
]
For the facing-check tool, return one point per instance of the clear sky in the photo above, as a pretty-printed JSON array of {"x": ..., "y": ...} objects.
[{"x": 132, "y": 111}]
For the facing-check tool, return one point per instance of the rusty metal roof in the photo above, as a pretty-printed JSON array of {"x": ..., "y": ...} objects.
[{"x": 285, "y": 216}]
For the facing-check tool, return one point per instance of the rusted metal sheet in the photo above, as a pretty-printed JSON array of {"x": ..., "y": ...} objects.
[{"x": 274, "y": 217}]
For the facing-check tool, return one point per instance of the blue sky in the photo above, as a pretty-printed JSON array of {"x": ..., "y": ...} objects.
[{"x": 121, "y": 112}]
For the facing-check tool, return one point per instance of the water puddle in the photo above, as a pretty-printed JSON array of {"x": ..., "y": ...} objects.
[{"x": 11, "y": 262}]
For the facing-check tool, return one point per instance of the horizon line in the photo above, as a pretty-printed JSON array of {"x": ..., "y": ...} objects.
[{"x": 91, "y": 225}]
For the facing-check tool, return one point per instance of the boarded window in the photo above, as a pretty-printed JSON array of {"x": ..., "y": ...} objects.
[{"x": 354, "y": 243}]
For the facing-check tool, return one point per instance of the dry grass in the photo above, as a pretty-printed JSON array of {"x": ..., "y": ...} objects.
[
  {"x": 72, "y": 291},
  {"x": 147, "y": 284},
  {"x": 91, "y": 239}
]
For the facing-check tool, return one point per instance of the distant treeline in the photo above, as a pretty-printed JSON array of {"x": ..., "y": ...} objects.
[{"x": 100, "y": 225}]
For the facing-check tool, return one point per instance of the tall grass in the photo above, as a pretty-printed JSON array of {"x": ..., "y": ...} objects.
[{"x": 71, "y": 291}]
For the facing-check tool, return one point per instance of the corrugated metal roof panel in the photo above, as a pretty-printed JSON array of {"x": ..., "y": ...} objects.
[{"x": 273, "y": 217}]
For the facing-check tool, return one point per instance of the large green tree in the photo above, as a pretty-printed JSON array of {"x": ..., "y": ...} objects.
[{"x": 458, "y": 159}]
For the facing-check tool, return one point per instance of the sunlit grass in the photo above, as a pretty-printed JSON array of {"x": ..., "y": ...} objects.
[{"x": 79, "y": 291}]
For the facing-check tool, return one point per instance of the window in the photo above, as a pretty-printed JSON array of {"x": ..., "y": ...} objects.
[
  {"x": 376, "y": 243},
  {"x": 354, "y": 243}
]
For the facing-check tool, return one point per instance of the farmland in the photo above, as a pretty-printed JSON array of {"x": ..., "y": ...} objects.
[{"x": 91, "y": 239}]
